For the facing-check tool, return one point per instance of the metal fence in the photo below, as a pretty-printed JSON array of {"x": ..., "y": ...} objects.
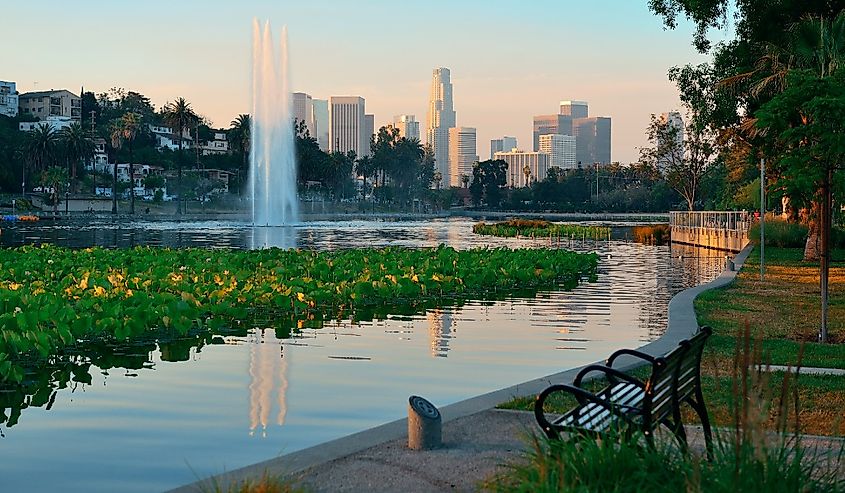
[{"x": 737, "y": 221}]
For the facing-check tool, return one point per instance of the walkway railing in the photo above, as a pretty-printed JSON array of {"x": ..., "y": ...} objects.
[{"x": 723, "y": 230}]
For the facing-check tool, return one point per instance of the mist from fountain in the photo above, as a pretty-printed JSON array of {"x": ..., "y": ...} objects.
[{"x": 272, "y": 172}]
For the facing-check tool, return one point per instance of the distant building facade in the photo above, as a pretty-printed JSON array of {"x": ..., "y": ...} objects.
[
  {"x": 408, "y": 126},
  {"x": 321, "y": 122},
  {"x": 441, "y": 117},
  {"x": 166, "y": 139},
  {"x": 502, "y": 145},
  {"x": 675, "y": 121},
  {"x": 369, "y": 132},
  {"x": 551, "y": 125},
  {"x": 218, "y": 145},
  {"x": 56, "y": 123},
  {"x": 462, "y": 154},
  {"x": 8, "y": 99},
  {"x": 347, "y": 125},
  {"x": 592, "y": 140},
  {"x": 575, "y": 109},
  {"x": 42, "y": 104},
  {"x": 561, "y": 150},
  {"x": 536, "y": 163},
  {"x": 303, "y": 111}
]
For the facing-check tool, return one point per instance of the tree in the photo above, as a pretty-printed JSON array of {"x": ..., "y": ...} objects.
[
  {"x": 240, "y": 136},
  {"x": 41, "y": 147},
  {"x": 78, "y": 146},
  {"x": 364, "y": 168},
  {"x": 179, "y": 116},
  {"x": 125, "y": 130},
  {"x": 488, "y": 181},
  {"x": 54, "y": 179},
  {"x": 685, "y": 156}
]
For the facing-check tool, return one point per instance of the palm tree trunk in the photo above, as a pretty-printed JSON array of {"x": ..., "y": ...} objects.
[{"x": 131, "y": 182}]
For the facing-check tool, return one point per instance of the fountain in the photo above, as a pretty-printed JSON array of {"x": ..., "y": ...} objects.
[{"x": 272, "y": 172}]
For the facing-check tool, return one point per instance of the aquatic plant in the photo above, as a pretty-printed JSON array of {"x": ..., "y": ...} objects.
[
  {"x": 54, "y": 298},
  {"x": 541, "y": 229}
]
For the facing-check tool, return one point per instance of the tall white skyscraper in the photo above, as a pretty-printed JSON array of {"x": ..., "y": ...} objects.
[
  {"x": 347, "y": 125},
  {"x": 441, "y": 117},
  {"x": 321, "y": 122},
  {"x": 303, "y": 111},
  {"x": 502, "y": 145},
  {"x": 408, "y": 126},
  {"x": 561, "y": 150},
  {"x": 524, "y": 168},
  {"x": 462, "y": 154},
  {"x": 369, "y": 131}
]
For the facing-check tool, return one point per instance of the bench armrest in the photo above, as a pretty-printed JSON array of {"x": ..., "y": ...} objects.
[
  {"x": 630, "y": 352},
  {"x": 612, "y": 374},
  {"x": 550, "y": 429}
]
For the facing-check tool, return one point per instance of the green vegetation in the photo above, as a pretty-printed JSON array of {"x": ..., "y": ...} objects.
[
  {"x": 759, "y": 452},
  {"x": 265, "y": 484},
  {"x": 55, "y": 298},
  {"x": 540, "y": 229}
]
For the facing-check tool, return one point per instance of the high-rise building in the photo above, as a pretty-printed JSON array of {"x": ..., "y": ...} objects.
[
  {"x": 347, "y": 125},
  {"x": 551, "y": 125},
  {"x": 369, "y": 131},
  {"x": 8, "y": 99},
  {"x": 592, "y": 140},
  {"x": 561, "y": 150},
  {"x": 440, "y": 118},
  {"x": 303, "y": 111},
  {"x": 575, "y": 109},
  {"x": 51, "y": 103},
  {"x": 408, "y": 126},
  {"x": 524, "y": 168},
  {"x": 674, "y": 121},
  {"x": 462, "y": 154},
  {"x": 502, "y": 145},
  {"x": 321, "y": 122}
]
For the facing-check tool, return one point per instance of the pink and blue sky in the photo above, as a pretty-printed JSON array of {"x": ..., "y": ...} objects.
[{"x": 509, "y": 59}]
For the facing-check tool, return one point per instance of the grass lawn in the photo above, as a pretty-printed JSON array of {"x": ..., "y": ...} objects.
[{"x": 782, "y": 313}]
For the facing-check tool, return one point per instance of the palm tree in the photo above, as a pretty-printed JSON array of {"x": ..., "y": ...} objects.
[
  {"x": 179, "y": 116},
  {"x": 40, "y": 148},
  {"x": 126, "y": 128},
  {"x": 54, "y": 179},
  {"x": 240, "y": 135},
  {"x": 77, "y": 146},
  {"x": 526, "y": 170}
]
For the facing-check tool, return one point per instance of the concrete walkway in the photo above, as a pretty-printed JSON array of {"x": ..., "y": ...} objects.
[{"x": 477, "y": 437}]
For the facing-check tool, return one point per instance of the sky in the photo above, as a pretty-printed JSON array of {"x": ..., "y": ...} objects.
[{"x": 509, "y": 59}]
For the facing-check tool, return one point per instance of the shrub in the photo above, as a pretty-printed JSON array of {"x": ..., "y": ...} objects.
[
  {"x": 780, "y": 233},
  {"x": 656, "y": 234}
]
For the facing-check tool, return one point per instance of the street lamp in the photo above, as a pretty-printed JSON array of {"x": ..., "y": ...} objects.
[{"x": 67, "y": 196}]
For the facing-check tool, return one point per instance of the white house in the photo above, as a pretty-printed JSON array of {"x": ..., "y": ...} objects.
[
  {"x": 57, "y": 123},
  {"x": 219, "y": 145},
  {"x": 166, "y": 138},
  {"x": 8, "y": 99}
]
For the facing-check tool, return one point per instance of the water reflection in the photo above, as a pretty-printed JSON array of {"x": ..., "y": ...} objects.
[
  {"x": 268, "y": 372},
  {"x": 272, "y": 237},
  {"x": 439, "y": 332}
]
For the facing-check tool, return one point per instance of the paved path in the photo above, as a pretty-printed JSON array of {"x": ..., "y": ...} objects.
[{"x": 478, "y": 437}]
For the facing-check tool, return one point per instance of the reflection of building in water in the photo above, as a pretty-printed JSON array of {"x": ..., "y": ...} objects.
[
  {"x": 439, "y": 332},
  {"x": 268, "y": 372}
]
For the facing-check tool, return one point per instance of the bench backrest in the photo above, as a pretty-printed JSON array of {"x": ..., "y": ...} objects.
[{"x": 674, "y": 377}]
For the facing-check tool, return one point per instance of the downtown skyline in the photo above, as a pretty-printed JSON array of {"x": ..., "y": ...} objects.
[{"x": 508, "y": 61}]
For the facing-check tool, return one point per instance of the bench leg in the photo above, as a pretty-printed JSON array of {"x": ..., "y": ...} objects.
[{"x": 700, "y": 409}]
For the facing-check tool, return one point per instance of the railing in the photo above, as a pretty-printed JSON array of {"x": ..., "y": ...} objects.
[
  {"x": 711, "y": 229},
  {"x": 725, "y": 221}
]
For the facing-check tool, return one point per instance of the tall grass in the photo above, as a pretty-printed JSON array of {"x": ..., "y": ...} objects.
[
  {"x": 746, "y": 458},
  {"x": 780, "y": 233},
  {"x": 655, "y": 234}
]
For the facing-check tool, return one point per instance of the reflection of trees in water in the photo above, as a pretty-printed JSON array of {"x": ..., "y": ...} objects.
[{"x": 266, "y": 363}]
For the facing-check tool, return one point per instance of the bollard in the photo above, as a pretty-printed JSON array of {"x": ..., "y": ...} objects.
[{"x": 423, "y": 424}]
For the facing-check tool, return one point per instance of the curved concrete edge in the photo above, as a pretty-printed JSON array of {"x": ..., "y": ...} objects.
[{"x": 682, "y": 324}]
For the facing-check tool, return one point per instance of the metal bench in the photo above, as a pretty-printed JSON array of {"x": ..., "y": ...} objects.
[{"x": 628, "y": 403}]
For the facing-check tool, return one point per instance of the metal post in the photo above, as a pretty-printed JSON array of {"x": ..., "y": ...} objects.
[
  {"x": 825, "y": 253},
  {"x": 762, "y": 218}
]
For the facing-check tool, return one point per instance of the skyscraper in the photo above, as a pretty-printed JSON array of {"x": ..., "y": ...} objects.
[
  {"x": 303, "y": 111},
  {"x": 502, "y": 145},
  {"x": 408, "y": 126},
  {"x": 592, "y": 140},
  {"x": 674, "y": 121},
  {"x": 524, "y": 168},
  {"x": 321, "y": 122},
  {"x": 575, "y": 109},
  {"x": 561, "y": 150},
  {"x": 347, "y": 125},
  {"x": 440, "y": 118},
  {"x": 551, "y": 125},
  {"x": 369, "y": 131},
  {"x": 462, "y": 154}
]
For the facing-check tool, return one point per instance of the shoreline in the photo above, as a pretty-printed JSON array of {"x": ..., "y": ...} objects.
[{"x": 682, "y": 323}]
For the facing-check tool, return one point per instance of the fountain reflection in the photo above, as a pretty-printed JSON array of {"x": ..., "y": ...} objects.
[
  {"x": 439, "y": 331},
  {"x": 267, "y": 371},
  {"x": 273, "y": 237}
]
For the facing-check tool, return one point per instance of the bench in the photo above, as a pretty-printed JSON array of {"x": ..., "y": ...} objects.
[{"x": 632, "y": 404}]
